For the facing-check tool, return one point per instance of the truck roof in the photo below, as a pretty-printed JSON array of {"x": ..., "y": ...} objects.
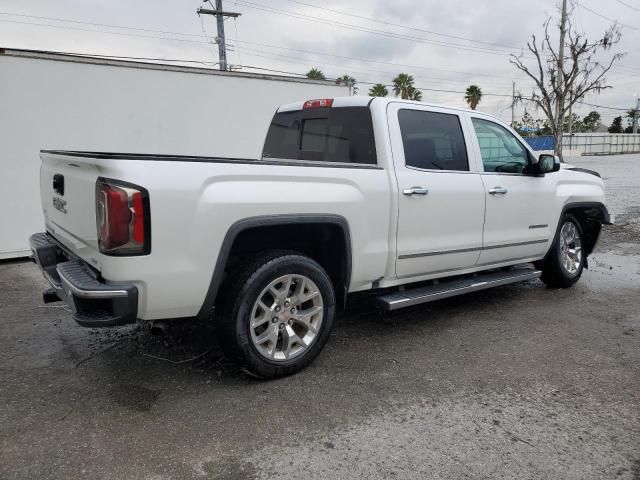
[{"x": 364, "y": 101}]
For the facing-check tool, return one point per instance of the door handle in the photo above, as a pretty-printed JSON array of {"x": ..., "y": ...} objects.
[
  {"x": 415, "y": 191},
  {"x": 497, "y": 191}
]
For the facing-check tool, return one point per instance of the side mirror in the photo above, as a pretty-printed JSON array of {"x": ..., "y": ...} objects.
[{"x": 548, "y": 163}]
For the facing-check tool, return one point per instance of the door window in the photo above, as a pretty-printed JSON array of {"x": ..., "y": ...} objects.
[
  {"x": 500, "y": 149},
  {"x": 432, "y": 141}
]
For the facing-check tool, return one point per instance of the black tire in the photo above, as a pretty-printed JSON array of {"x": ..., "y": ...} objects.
[
  {"x": 554, "y": 273},
  {"x": 239, "y": 295}
]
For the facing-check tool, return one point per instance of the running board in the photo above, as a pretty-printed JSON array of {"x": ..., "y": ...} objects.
[{"x": 407, "y": 298}]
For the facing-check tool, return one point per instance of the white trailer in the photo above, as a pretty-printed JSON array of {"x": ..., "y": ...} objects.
[{"x": 61, "y": 101}]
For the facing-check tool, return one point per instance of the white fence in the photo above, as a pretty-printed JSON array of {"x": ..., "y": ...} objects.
[{"x": 601, "y": 143}]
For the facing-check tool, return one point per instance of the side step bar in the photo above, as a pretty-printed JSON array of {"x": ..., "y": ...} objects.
[{"x": 407, "y": 298}]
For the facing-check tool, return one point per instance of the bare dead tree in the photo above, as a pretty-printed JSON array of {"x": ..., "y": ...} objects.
[{"x": 561, "y": 83}]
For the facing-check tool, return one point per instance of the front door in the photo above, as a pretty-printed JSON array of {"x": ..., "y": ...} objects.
[
  {"x": 519, "y": 207},
  {"x": 440, "y": 192}
]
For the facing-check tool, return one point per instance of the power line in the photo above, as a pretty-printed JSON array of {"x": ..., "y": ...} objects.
[
  {"x": 627, "y": 69},
  {"x": 58, "y": 19},
  {"x": 205, "y": 42},
  {"x": 603, "y": 106},
  {"x": 629, "y": 6},
  {"x": 263, "y": 54},
  {"x": 66, "y": 20},
  {"x": 350, "y": 68},
  {"x": 103, "y": 31},
  {"x": 348, "y": 26},
  {"x": 607, "y": 18},
  {"x": 635, "y": 81},
  {"x": 245, "y": 66},
  {"x": 430, "y": 32},
  {"x": 411, "y": 28},
  {"x": 126, "y": 57},
  {"x": 428, "y": 89},
  {"x": 363, "y": 60},
  {"x": 298, "y": 74},
  {"x": 273, "y": 70},
  {"x": 367, "y": 60}
]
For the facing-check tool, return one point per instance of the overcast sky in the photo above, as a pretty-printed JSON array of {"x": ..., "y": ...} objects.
[{"x": 449, "y": 45}]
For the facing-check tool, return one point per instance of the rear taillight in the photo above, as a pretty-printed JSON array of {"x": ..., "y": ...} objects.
[
  {"x": 318, "y": 103},
  {"x": 122, "y": 218}
]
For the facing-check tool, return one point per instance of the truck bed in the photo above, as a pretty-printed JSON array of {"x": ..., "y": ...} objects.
[{"x": 195, "y": 201}]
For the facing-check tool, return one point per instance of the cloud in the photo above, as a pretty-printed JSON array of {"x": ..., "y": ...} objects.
[{"x": 435, "y": 67}]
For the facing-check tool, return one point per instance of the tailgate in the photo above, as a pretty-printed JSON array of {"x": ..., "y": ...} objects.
[{"x": 67, "y": 189}]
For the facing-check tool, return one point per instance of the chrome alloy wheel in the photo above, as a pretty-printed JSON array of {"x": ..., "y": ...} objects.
[
  {"x": 570, "y": 248},
  {"x": 286, "y": 317}
]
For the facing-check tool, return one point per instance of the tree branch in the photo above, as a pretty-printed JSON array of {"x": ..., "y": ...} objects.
[{"x": 555, "y": 84}]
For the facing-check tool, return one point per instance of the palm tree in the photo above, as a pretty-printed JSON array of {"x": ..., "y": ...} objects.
[
  {"x": 415, "y": 95},
  {"x": 316, "y": 74},
  {"x": 473, "y": 95},
  {"x": 403, "y": 85},
  {"x": 378, "y": 90},
  {"x": 349, "y": 81}
]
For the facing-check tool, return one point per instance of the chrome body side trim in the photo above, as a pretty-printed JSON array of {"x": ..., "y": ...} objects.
[
  {"x": 441, "y": 252},
  {"x": 473, "y": 249},
  {"x": 516, "y": 244}
]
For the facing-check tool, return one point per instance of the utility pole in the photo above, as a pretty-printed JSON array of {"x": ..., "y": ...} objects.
[
  {"x": 560, "y": 79},
  {"x": 513, "y": 105},
  {"x": 220, "y": 14},
  {"x": 635, "y": 115}
]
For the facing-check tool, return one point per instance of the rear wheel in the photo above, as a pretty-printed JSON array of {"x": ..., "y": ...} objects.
[
  {"x": 564, "y": 263},
  {"x": 278, "y": 314}
]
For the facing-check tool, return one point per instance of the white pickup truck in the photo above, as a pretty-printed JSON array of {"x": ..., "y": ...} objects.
[{"x": 414, "y": 201}]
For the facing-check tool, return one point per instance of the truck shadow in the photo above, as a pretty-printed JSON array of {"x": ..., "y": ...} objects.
[
  {"x": 192, "y": 347},
  {"x": 426, "y": 350}
]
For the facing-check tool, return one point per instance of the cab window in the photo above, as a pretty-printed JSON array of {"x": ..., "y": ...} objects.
[
  {"x": 500, "y": 149},
  {"x": 432, "y": 141},
  {"x": 342, "y": 135}
]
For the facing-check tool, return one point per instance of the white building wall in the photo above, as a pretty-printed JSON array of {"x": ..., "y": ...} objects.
[{"x": 60, "y": 102}]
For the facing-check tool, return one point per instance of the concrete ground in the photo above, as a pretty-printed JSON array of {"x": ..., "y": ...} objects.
[{"x": 516, "y": 382}]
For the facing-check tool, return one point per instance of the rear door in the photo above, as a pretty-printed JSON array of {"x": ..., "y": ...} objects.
[
  {"x": 519, "y": 206},
  {"x": 440, "y": 192}
]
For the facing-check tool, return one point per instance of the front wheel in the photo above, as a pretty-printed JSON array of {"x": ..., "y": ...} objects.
[
  {"x": 278, "y": 314},
  {"x": 564, "y": 263}
]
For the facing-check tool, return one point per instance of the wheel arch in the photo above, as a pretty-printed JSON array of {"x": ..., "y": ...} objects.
[
  {"x": 339, "y": 272},
  {"x": 591, "y": 215}
]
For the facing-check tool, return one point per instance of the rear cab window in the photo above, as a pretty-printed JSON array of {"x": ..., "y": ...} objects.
[{"x": 329, "y": 134}]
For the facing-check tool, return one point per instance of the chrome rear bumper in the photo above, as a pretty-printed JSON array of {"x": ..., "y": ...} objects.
[{"x": 95, "y": 302}]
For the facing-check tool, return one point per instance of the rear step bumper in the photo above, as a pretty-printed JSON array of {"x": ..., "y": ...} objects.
[
  {"x": 482, "y": 281},
  {"x": 95, "y": 303}
]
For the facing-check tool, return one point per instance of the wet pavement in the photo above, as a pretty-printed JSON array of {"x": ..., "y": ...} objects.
[{"x": 515, "y": 382}]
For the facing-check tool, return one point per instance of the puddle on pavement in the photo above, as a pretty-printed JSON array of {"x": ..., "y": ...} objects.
[{"x": 607, "y": 269}]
